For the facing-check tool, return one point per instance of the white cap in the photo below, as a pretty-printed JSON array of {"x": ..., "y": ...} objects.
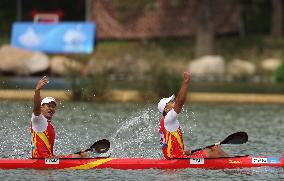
[
  {"x": 163, "y": 102},
  {"x": 47, "y": 100}
]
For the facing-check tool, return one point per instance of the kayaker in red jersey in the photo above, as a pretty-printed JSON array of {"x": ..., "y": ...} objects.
[
  {"x": 42, "y": 130},
  {"x": 170, "y": 132}
]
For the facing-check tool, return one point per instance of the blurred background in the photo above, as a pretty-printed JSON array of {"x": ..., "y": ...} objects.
[
  {"x": 123, "y": 56},
  {"x": 92, "y": 48}
]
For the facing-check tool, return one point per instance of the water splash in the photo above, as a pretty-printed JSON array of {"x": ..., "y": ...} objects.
[
  {"x": 188, "y": 121},
  {"x": 137, "y": 136},
  {"x": 16, "y": 142}
]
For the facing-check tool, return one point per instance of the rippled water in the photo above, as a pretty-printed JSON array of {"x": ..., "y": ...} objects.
[{"x": 132, "y": 130}]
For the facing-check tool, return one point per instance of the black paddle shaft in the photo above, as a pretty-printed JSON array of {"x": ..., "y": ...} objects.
[{"x": 235, "y": 138}]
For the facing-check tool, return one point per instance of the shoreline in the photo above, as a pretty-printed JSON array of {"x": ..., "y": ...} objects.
[{"x": 136, "y": 96}]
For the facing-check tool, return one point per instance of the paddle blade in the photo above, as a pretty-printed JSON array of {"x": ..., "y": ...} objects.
[
  {"x": 236, "y": 138},
  {"x": 101, "y": 146}
]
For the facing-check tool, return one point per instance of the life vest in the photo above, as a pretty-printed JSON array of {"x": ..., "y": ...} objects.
[
  {"x": 43, "y": 142},
  {"x": 171, "y": 142}
]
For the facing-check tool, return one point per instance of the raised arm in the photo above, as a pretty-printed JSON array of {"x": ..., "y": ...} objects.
[
  {"x": 41, "y": 83},
  {"x": 181, "y": 97}
]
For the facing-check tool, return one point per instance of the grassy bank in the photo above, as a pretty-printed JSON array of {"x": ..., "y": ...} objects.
[
  {"x": 251, "y": 48},
  {"x": 181, "y": 50},
  {"x": 168, "y": 57},
  {"x": 247, "y": 47}
]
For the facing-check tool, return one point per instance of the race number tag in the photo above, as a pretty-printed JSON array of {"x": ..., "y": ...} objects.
[
  {"x": 259, "y": 160},
  {"x": 266, "y": 160},
  {"x": 52, "y": 161},
  {"x": 195, "y": 161}
]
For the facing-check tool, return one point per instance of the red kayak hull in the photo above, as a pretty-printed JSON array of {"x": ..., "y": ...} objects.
[{"x": 142, "y": 163}]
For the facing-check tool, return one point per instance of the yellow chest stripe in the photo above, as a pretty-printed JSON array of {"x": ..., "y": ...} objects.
[
  {"x": 169, "y": 140},
  {"x": 90, "y": 165},
  {"x": 45, "y": 140},
  {"x": 178, "y": 137}
]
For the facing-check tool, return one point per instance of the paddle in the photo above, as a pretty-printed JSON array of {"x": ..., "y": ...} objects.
[
  {"x": 235, "y": 138},
  {"x": 101, "y": 146}
]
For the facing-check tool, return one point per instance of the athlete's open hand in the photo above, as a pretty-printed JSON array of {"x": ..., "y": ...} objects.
[
  {"x": 186, "y": 77},
  {"x": 41, "y": 83}
]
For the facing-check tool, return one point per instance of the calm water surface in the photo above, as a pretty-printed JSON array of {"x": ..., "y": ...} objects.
[{"x": 132, "y": 130}]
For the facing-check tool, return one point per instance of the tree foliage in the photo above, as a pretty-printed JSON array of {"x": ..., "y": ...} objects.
[{"x": 279, "y": 73}]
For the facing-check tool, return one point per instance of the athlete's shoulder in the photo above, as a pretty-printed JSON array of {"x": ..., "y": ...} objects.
[
  {"x": 38, "y": 119},
  {"x": 171, "y": 115}
]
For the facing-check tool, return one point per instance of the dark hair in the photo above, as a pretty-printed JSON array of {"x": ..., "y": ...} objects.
[{"x": 164, "y": 113}]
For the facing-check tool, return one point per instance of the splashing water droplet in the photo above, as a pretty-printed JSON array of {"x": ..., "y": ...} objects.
[{"x": 136, "y": 135}]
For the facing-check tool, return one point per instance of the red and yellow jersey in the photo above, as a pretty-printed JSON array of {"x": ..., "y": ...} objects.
[
  {"x": 43, "y": 142},
  {"x": 172, "y": 142}
]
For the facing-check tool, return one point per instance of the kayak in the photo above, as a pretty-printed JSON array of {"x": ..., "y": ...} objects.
[{"x": 141, "y": 163}]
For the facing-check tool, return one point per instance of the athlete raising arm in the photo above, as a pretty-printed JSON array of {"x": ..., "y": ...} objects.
[
  {"x": 170, "y": 131},
  {"x": 42, "y": 130}
]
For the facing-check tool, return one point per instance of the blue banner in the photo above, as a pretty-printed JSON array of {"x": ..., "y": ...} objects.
[{"x": 71, "y": 37}]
